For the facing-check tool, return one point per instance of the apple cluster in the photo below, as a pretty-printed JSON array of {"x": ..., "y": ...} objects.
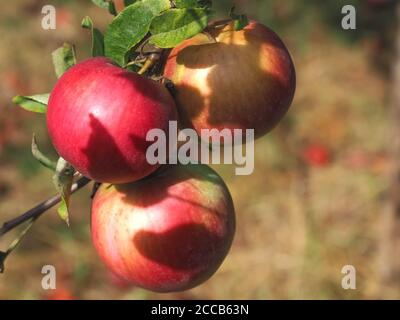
[{"x": 167, "y": 228}]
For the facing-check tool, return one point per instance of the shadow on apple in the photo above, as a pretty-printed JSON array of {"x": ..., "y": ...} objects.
[
  {"x": 245, "y": 80},
  {"x": 171, "y": 248}
]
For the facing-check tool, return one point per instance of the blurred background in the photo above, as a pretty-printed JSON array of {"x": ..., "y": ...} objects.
[{"x": 319, "y": 198}]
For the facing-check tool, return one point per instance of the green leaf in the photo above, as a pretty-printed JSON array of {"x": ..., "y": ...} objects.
[
  {"x": 130, "y": 27},
  {"x": 191, "y": 4},
  {"x": 15, "y": 243},
  {"x": 112, "y": 9},
  {"x": 187, "y": 4},
  {"x": 240, "y": 21},
  {"x": 36, "y": 103},
  {"x": 97, "y": 37},
  {"x": 38, "y": 155},
  {"x": 106, "y": 4},
  {"x": 205, "y": 3},
  {"x": 129, "y": 2},
  {"x": 101, "y": 3},
  {"x": 63, "y": 58},
  {"x": 177, "y": 25},
  {"x": 63, "y": 179},
  {"x": 63, "y": 210}
]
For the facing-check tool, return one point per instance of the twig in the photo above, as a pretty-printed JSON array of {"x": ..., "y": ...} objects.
[
  {"x": 15, "y": 243},
  {"x": 40, "y": 208}
]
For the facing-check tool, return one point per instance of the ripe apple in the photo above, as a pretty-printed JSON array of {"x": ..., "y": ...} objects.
[
  {"x": 62, "y": 293},
  {"x": 118, "y": 282},
  {"x": 168, "y": 232},
  {"x": 98, "y": 117},
  {"x": 317, "y": 155},
  {"x": 242, "y": 80}
]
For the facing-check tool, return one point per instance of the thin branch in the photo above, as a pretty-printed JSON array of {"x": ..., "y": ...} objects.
[
  {"x": 40, "y": 208},
  {"x": 15, "y": 243}
]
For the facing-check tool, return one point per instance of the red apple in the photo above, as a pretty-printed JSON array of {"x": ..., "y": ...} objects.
[
  {"x": 317, "y": 155},
  {"x": 60, "y": 294},
  {"x": 242, "y": 80},
  {"x": 98, "y": 117},
  {"x": 168, "y": 232},
  {"x": 118, "y": 282}
]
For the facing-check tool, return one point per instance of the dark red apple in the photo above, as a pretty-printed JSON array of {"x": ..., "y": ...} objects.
[
  {"x": 98, "y": 117},
  {"x": 242, "y": 80},
  {"x": 168, "y": 232}
]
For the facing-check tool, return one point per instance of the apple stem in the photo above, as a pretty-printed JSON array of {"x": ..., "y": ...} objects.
[
  {"x": 145, "y": 67},
  {"x": 210, "y": 37},
  {"x": 219, "y": 24},
  {"x": 150, "y": 61},
  {"x": 136, "y": 62}
]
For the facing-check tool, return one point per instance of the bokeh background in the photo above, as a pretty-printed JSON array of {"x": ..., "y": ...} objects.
[{"x": 317, "y": 201}]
